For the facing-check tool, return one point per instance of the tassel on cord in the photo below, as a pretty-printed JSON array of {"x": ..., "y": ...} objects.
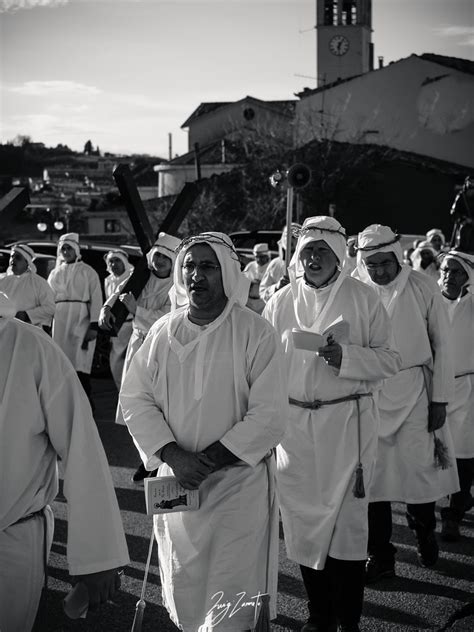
[
  {"x": 359, "y": 488},
  {"x": 262, "y": 624},
  {"x": 441, "y": 454}
]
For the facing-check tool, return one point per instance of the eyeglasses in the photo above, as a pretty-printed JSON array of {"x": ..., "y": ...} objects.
[
  {"x": 383, "y": 264},
  {"x": 206, "y": 268}
]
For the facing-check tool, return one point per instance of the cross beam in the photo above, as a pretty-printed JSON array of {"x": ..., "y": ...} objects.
[
  {"x": 12, "y": 203},
  {"x": 144, "y": 231}
]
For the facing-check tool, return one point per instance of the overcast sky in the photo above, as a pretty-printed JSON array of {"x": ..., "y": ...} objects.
[{"x": 125, "y": 73}]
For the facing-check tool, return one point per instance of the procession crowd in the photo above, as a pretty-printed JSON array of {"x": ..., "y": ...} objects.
[{"x": 319, "y": 386}]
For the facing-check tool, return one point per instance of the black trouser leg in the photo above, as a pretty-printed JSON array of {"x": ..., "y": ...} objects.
[
  {"x": 320, "y": 598},
  {"x": 85, "y": 380},
  {"x": 347, "y": 579},
  {"x": 380, "y": 531},
  {"x": 461, "y": 500},
  {"x": 421, "y": 515}
]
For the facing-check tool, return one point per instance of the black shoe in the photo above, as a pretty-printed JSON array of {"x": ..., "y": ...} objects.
[
  {"x": 427, "y": 549},
  {"x": 449, "y": 526},
  {"x": 376, "y": 569},
  {"x": 140, "y": 474}
]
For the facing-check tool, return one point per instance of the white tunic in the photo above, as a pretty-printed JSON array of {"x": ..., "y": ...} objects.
[
  {"x": 318, "y": 457},
  {"x": 31, "y": 294},
  {"x": 461, "y": 407},
  {"x": 44, "y": 413},
  {"x": 229, "y": 386},
  {"x": 78, "y": 298},
  {"x": 274, "y": 272},
  {"x": 119, "y": 343},
  {"x": 405, "y": 469}
]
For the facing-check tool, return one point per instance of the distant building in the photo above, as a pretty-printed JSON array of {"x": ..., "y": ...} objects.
[
  {"x": 423, "y": 104},
  {"x": 219, "y": 129}
]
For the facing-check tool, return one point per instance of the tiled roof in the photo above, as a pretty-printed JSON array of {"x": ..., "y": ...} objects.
[
  {"x": 284, "y": 107},
  {"x": 463, "y": 65},
  {"x": 211, "y": 154}
]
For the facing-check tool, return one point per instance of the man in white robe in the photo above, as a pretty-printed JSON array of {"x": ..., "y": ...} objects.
[
  {"x": 412, "y": 403},
  {"x": 45, "y": 415},
  {"x": 205, "y": 399},
  {"x": 424, "y": 259},
  {"x": 119, "y": 269},
  {"x": 332, "y": 435},
  {"x": 152, "y": 304},
  {"x": 437, "y": 239},
  {"x": 29, "y": 291},
  {"x": 457, "y": 287},
  {"x": 275, "y": 276},
  {"x": 78, "y": 298},
  {"x": 254, "y": 271}
]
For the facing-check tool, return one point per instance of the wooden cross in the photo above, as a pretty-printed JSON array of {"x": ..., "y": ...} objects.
[
  {"x": 11, "y": 204},
  {"x": 144, "y": 232}
]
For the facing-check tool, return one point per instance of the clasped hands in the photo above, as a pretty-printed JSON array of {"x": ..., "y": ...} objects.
[
  {"x": 101, "y": 586},
  {"x": 192, "y": 468},
  {"x": 91, "y": 334}
]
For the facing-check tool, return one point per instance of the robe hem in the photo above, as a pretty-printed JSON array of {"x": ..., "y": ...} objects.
[{"x": 415, "y": 501}]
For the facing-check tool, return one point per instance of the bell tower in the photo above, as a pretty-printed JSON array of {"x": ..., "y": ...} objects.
[{"x": 344, "y": 33}]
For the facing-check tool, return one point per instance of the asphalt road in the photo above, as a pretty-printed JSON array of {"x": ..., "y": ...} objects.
[{"x": 416, "y": 599}]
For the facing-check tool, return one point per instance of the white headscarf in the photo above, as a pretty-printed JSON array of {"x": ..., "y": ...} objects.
[
  {"x": 436, "y": 231},
  {"x": 282, "y": 241},
  {"x": 167, "y": 245},
  {"x": 71, "y": 239},
  {"x": 27, "y": 253},
  {"x": 467, "y": 262},
  {"x": 377, "y": 238},
  {"x": 312, "y": 304},
  {"x": 416, "y": 254},
  {"x": 118, "y": 254},
  {"x": 236, "y": 284}
]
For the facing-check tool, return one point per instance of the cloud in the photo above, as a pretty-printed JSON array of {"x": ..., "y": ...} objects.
[
  {"x": 10, "y": 6},
  {"x": 49, "y": 88},
  {"x": 465, "y": 32}
]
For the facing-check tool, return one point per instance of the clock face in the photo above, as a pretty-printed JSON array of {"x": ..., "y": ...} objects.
[{"x": 339, "y": 45}]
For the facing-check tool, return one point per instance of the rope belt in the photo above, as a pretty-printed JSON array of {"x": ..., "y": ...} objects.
[
  {"x": 71, "y": 300},
  {"x": 40, "y": 514},
  {"x": 359, "y": 489},
  {"x": 318, "y": 403},
  {"x": 463, "y": 374}
]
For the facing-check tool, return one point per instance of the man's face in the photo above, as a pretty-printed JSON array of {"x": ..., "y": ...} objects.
[
  {"x": 319, "y": 262},
  {"x": 426, "y": 257},
  {"x": 202, "y": 278},
  {"x": 382, "y": 267},
  {"x": 117, "y": 266},
  {"x": 68, "y": 253},
  {"x": 18, "y": 263},
  {"x": 262, "y": 258},
  {"x": 453, "y": 278},
  {"x": 161, "y": 265},
  {"x": 436, "y": 242}
]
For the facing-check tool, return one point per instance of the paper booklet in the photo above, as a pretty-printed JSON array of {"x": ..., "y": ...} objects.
[
  {"x": 163, "y": 494},
  {"x": 312, "y": 341}
]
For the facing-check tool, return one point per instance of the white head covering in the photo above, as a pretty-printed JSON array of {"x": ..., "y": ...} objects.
[
  {"x": 71, "y": 239},
  {"x": 236, "y": 284},
  {"x": 282, "y": 241},
  {"x": 27, "y": 253},
  {"x": 309, "y": 303},
  {"x": 376, "y": 238},
  {"x": 7, "y": 309},
  {"x": 118, "y": 253},
  {"x": 259, "y": 249},
  {"x": 467, "y": 262},
  {"x": 416, "y": 254},
  {"x": 167, "y": 245},
  {"x": 436, "y": 231}
]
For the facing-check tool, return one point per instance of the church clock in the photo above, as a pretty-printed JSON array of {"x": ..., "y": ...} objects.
[{"x": 339, "y": 45}]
